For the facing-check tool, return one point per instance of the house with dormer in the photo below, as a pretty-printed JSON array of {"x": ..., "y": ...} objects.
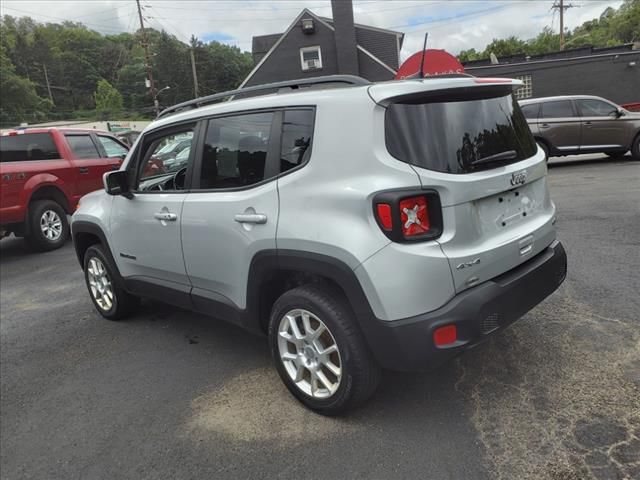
[{"x": 315, "y": 46}]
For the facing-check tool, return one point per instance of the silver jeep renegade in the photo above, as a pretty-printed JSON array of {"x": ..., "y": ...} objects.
[{"x": 357, "y": 225}]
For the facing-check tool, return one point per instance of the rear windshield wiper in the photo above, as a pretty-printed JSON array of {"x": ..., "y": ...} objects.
[{"x": 498, "y": 157}]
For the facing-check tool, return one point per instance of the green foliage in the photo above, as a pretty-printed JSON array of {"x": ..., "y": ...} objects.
[
  {"x": 108, "y": 99},
  {"x": 20, "y": 101},
  {"x": 77, "y": 59},
  {"x": 613, "y": 27}
]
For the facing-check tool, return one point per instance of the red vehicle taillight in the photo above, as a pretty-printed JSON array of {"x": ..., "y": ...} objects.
[
  {"x": 384, "y": 216},
  {"x": 414, "y": 216},
  {"x": 409, "y": 215}
]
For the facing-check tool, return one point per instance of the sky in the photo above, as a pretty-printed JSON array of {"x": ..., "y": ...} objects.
[{"x": 453, "y": 25}]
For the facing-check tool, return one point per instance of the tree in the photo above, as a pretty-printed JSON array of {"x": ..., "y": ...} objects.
[
  {"x": 108, "y": 99},
  {"x": 19, "y": 100}
]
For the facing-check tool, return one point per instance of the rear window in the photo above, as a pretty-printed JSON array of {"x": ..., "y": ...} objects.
[
  {"x": 460, "y": 135},
  {"x": 83, "y": 147},
  {"x": 531, "y": 110},
  {"x": 28, "y": 146}
]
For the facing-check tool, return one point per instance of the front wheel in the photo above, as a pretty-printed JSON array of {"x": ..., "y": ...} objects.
[
  {"x": 319, "y": 351},
  {"x": 111, "y": 301}
]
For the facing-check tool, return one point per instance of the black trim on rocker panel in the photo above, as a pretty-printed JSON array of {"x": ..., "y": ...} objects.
[{"x": 168, "y": 292}]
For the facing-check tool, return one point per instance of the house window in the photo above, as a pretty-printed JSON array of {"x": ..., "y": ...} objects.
[
  {"x": 526, "y": 90},
  {"x": 310, "y": 58}
]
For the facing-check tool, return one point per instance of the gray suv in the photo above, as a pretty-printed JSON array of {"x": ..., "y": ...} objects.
[
  {"x": 577, "y": 124},
  {"x": 359, "y": 227}
]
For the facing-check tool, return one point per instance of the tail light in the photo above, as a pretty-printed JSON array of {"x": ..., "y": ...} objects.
[
  {"x": 409, "y": 215},
  {"x": 414, "y": 216}
]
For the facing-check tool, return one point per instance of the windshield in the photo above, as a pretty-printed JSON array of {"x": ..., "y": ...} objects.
[{"x": 460, "y": 135}]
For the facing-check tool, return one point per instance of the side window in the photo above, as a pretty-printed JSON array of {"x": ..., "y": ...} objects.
[
  {"x": 560, "y": 108},
  {"x": 82, "y": 146},
  {"x": 113, "y": 148},
  {"x": 27, "y": 146},
  {"x": 596, "y": 108},
  {"x": 530, "y": 111},
  {"x": 235, "y": 151},
  {"x": 297, "y": 130},
  {"x": 163, "y": 166}
]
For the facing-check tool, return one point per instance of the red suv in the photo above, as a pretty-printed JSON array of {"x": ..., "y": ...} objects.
[{"x": 44, "y": 173}]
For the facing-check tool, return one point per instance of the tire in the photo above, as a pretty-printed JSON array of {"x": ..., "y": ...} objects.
[
  {"x": 100, "y": 276},
  {"x": 545, "y": 149},
  {"x": 635, "y": 148},
  {"x": 359, "y": 373},
  {"x": 48, "y": 227}
]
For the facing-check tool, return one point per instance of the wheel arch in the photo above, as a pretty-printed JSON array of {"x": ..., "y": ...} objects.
[
  {"x": 50, "y": 192},
  {"x": 85, "y": 234},
  {"x": 274, "y": 272}
]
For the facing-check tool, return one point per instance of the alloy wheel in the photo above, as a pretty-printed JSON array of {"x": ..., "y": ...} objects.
[
  {"x": 51, "y": 225},
  {"x": 309, "y": 353},
  {"x": 100, "y": 284}
]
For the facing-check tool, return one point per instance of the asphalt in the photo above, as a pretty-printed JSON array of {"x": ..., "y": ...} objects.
[{"x": 170, "y": 394}]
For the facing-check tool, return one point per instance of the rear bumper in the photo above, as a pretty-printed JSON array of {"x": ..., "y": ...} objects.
[{"x": 477, "y": 313}]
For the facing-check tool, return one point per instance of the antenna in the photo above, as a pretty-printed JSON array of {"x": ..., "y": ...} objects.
[{"x": 424, "y": 51}]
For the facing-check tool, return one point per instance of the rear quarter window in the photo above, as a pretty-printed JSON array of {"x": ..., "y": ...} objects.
[
  {"x": 459, "y": 133},
  {"x": 27, "y": 147}
]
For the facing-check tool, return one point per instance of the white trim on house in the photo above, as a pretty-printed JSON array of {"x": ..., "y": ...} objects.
[
  {"x": 306, "y": 11},
  {"x": 376, "y": 59},
  {"x": 275, "y": 45},
  {"x": 314, "y": 48}
]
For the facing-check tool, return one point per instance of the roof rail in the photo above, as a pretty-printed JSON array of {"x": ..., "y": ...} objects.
[{"x": 292, "y": 84}]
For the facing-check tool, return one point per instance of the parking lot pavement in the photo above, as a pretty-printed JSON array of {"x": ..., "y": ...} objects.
[{"x": 170, "y": 394}]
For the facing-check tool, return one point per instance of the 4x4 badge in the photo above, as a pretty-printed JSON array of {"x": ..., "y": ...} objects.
[{"x": 519, "y": 178}]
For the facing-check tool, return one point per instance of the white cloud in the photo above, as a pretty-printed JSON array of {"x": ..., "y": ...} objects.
[{"x": 452, "y": 25}]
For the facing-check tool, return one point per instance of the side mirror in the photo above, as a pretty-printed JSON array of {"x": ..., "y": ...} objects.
[
  {"x": 619, "y": 113},
  {"x": 117, "y": 183}
]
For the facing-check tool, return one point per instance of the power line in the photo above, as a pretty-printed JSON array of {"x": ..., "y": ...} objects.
[{"x": 560, "y": 6}]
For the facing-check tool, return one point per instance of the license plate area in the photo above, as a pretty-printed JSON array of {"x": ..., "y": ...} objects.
[{"x": 512, "y": 207}]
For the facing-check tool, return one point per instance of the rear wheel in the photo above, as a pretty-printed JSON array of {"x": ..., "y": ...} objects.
[
  {"x": 48, "y": 225},
  {"x": 635, "y": 148},
  {"x": 111, "y": 301},
  {"x": 319, "y": 352}
]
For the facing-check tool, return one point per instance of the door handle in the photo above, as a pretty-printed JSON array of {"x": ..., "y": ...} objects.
[
  {"x": 544, "y": 125},
  {"x": 587, "y": 123},
  {"x": 166, "y": 216},
  {"x": 84, "y": 169},
  {"x": 250, "y": 218}
]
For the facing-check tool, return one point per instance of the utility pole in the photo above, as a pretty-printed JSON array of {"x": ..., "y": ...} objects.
[
  {"x": 195, "y": 75},
  {"x": 147, "y": 59},
  {"x": 46, "y": 77},
  {"x": 561, "y": 7}
]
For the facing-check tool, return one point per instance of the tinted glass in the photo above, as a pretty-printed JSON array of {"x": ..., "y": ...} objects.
[
  {"x": 235, "y": 151},
  {"x": 82, "y": 146},
  {"x": 596, "y": 108},
  {"x": 156, "y": 165},
  {"x": 297, "y": 130},
  {"x": 27, "y": 146},
  {"x": 530, "y": 111},
  {"x": 562, "y": 108},
  {"x": 113, "y": 148},
  {"x": 459, "y": 136}
]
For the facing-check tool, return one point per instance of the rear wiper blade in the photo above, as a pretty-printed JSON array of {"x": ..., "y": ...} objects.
[{"x": 508, "y": 155}]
